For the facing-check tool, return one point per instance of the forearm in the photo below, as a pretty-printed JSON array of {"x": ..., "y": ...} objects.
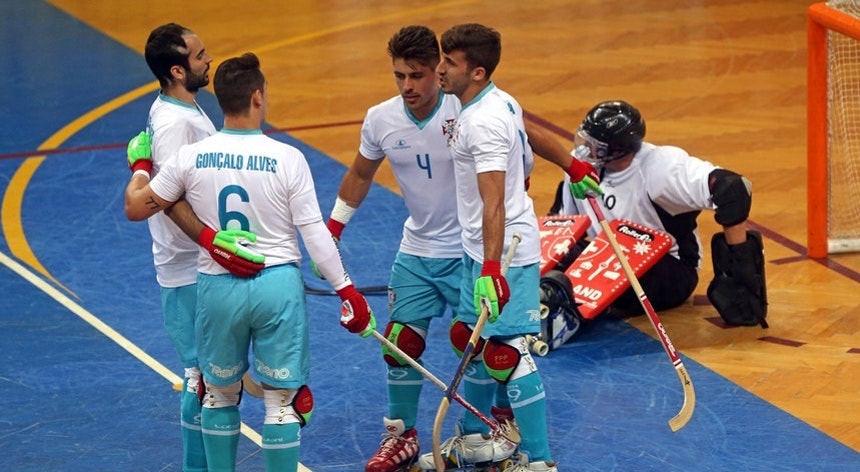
[
  {"x": 184, "y": 217},
  {"x": 547, "y": 147},
  {"x": 323, "y": 251},
  {"x": 140, "y": 201},
  {"x": 492, "y": 188}
]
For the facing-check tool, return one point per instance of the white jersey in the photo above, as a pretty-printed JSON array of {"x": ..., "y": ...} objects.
[
  {"x": 663, "y": 177},
  {"x": 490, "y": 136},
  {"x": 172, "y": 124},
  {"x": 242, "y": 179},
  {"x": 419, "y": 157}
]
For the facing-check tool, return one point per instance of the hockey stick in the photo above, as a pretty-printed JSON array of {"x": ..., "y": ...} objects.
[
  {"x": 370, "y": 290},
  {"x": 683, "y": 416},
  {"x": 510, "y": 432},
  {"x": 464, "y": 361}
]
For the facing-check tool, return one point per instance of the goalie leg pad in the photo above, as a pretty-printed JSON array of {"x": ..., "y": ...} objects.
[
  {"x": 562, "y": 320},
  {"x": 222, "y": 397},
  {"x": 459, "y": 335},
  {"x": 508, "y": 359},
  {"x": 738, "y": 290},
  {"x": 409, "y": 339},
  {"x": 288, "y": 406}
]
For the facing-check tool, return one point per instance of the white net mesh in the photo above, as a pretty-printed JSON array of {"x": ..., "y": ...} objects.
[{"x": 844, "y": 134}]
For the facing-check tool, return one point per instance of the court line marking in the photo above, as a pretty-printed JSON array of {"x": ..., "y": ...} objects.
[{"x": 109, "y": 332}]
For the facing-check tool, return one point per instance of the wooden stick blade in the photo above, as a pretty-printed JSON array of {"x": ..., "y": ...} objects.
[
  {"x": 683, "y": 417},
  {"x": 438, "y": 460}
]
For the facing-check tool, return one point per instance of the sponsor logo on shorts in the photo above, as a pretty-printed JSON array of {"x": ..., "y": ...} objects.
[{"x": 282, "y": 373}]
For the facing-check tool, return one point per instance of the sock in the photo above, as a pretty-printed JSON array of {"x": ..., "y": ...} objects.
[
  {"x": 193, "y": 453},
  {"x": 479, "y": 389},
  {"x": 281, "y": 446},
  {"x": 404, "y": 389},
  {"x": 221, "y": 437},
  {"x": 530, "y": 413}
]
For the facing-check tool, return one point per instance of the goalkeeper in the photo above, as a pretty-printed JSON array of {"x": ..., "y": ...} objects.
[{"x": 664, "y": 188}]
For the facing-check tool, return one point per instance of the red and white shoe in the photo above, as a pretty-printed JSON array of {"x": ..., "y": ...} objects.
[{"x": 398, "y": 448}]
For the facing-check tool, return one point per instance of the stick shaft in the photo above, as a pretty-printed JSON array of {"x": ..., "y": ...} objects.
[
  {"x": 687, "y": 408},
  {"x": 435, "y": 380},
  {"x": 468, "y": 352}
]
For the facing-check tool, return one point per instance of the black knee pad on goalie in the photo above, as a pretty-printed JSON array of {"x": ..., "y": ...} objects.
[
  {"x": 738, "y": 290},
  {"x": 459, "y": 335},
  {"x": 500, "y": 360},
  {"x": 732, "y": 194},
  {"x": 407, "y": 339},
  {"x": 560, "y": 318}
]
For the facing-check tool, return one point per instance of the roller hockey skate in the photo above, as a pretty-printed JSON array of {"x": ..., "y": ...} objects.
[
  {"x": 471, "y": 453},
  {"x": 398, "y": 450},
  {"x": 522, "y": 464}
]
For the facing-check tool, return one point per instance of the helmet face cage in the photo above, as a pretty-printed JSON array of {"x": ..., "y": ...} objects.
[{"x": 591, "y": 150}]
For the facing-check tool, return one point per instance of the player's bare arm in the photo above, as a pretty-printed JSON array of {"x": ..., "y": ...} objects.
[
  {"x": 185, "y": 218},
  {"x": 356, "y": 183},
  {"x": 140, "y": 201},
  {"x": 491, "y": 185}
]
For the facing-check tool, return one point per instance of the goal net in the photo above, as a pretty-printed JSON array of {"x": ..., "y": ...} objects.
[{"x": 833, "y": 134}]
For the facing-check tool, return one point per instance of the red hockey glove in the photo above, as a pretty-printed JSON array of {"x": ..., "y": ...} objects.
[
  {"x": 355, "y": 314},
  {"x": 491, "y": 290},
  {"x": 225, "y": 249},
  {"x": 579, "y": 170},
  {"x": 139, "y": 153}
]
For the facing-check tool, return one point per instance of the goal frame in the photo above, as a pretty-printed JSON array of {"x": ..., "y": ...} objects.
[{"x": 821, "y": 19}]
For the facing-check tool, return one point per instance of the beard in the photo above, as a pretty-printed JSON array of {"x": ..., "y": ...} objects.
[{"x": 196, "y": 82}]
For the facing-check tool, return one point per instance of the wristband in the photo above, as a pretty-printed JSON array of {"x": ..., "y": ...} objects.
[
  {"x": 341, "y": 212},
  {"x": 491, "y": 267},
  {"x": 143, "y": 172}
]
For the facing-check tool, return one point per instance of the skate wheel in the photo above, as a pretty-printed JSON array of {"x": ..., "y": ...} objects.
[{"x": 544, "y": 311}]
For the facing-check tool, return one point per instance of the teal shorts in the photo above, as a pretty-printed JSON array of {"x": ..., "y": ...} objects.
[
  {"x": 179, "y": 307},
  {"x": 267, "y": 312},
  {"x": 423, "y": 287},
  {"x": 521, "y": 314}
]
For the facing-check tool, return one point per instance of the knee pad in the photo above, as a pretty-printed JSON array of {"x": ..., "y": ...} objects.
[
  {"x": 732, "y": 194},
  {"x": 222, "y": 397},
  {"x": 288, "y": 406},
  {"x": 193, "y": 381},
  {"x": 409, "y": 339},
  {"x": 459, "y": 335},
  {"x": 508, "y": 359}
]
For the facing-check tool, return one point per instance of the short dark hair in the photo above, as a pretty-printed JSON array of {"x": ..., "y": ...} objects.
[
  {"x": 415, "y": 42},
  {"x": 236, "y": 80},
  {"x": 166, "y": 48},
  {"x": 481, "y": 45}
]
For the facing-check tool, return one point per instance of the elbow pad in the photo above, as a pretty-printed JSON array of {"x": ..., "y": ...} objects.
[{"x": 732, "y": 194}]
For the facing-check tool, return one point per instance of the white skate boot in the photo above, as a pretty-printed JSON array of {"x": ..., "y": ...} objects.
[
  {"x": 470, "y": 449},
  {"x": 523, "y": 465}
]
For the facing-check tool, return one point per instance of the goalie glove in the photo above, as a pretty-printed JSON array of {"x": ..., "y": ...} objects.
[
  {"x": 225, "y": 249},
  {"x": 139, "y": 153},
  {"x": 355, "y": 314},
  {"x": 491, "y": 290}
]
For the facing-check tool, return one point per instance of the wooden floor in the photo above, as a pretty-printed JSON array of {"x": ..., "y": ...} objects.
[{"x": 724, "y": 79}]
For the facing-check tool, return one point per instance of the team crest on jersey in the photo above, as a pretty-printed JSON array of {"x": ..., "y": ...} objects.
[{"x": 449, "y": 129}]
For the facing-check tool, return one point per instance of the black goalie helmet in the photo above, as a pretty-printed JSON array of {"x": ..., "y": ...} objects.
[
  {"x": 556, "y": 292},
  {"x": 609, "y": 131}
]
